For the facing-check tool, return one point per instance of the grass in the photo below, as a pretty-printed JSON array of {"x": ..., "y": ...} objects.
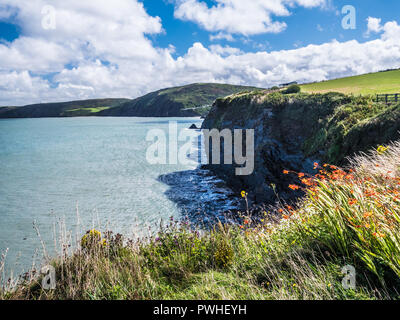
[
  {"x": 347, "y": 217},
  {"x": 367, "y": 84},
  {"x": 84, "y": 111}
]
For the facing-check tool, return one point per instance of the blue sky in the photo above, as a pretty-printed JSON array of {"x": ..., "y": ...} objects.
[
  {"x": 305, "y": 26},
  {"x": 72, "y": 49}
]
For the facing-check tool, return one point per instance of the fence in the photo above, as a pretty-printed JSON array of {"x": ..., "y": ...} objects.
[{"x": 388, "y": 98}]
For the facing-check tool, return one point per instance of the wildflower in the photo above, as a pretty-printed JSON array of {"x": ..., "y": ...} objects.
[
  {"x": 367, "y": 214},
  {"x": 294, "y": 187},
  {"x": 92, "y": 238},
  {"x": 285, "y": 172},
  {"x": 246, "y": 221},
  {"x": 382, "y": 149},
  {"x": 301, "y": 175},
  {"x": 352, "y": 202},
  {"x": 316, "y": 165},
  {"x": 244, "y": 194},
  {"x": 306, "y": 182}
]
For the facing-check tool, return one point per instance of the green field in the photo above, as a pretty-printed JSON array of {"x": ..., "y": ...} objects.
[
  {"x": 84, "y": 111},
  {"x": 372, "y": 83}
]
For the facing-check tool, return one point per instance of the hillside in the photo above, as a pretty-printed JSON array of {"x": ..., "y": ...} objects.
[
  {"x": 185, "y": 101},
  {"x": 191, "y": 100},
  {"x": 371, "y": 83},
  {"x": 61, "y": 109}
]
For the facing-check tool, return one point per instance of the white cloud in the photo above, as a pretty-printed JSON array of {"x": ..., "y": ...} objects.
[
  {"x": 222, "y": 36},
  {"x": 373, "y": 25},
  {"x": 224, "y": 51},
  {"x": 103, "y": 50},
  {"x": 391, "y": 30},
  {"x": 241, "y": 17}
]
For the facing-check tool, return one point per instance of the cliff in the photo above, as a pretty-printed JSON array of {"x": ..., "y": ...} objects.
[{"x": 292, "y": 132}]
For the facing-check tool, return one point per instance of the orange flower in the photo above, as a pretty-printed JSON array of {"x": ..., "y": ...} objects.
[
  {"x": 301, "y": 175},
  {"x": 285, "y": 172},
  {"x": 352, "y": 201},
  {"x": 285, "y": 216},
  {"x": 307, "y": 182},
  {"x": 367, "y": 214},
  {"x": 280, "y": 210},
  {"x": 246, "y": 221},
  {"x": 294, "y": 187},
  {"x": 316, "y": 165}
]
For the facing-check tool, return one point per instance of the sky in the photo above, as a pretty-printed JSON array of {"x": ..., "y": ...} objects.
[{"x": 59, "y": 50}]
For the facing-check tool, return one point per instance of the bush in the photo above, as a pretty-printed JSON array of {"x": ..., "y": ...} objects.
[{"x": 292, "y": 89}]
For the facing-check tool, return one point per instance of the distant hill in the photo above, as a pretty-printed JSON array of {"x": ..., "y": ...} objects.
[
  {"x": 371, "y": 83},
  {"x": 190, "y": 100},
  {"x": 61, "y": 109}
]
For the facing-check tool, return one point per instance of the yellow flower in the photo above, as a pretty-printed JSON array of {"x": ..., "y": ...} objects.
[
  {"x": 244, "y": 194},
  {"x": 95, "y": 233},
  {"x": 92, "y": 238},
  {"x": 382, "y": 149}
]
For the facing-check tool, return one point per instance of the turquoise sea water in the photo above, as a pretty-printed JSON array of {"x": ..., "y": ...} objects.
[{"x": 88, "y": 172}]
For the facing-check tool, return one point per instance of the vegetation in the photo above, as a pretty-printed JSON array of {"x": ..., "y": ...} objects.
[
  {"x": 61, "y": 109},
  {"x": 294, "y": 88},
  {"x": 347, "y": 217},
  {"x": 190, "y": 100},
  {"x": 329, "y": 126},
  {"x": 372, "y": 83},
  {"x": 84, "y": 111}
]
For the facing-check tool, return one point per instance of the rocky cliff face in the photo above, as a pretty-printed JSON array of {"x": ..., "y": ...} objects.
[{"x": 292, "y": 132}]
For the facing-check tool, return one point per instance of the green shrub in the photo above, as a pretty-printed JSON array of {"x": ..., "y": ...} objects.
[
  {"x": 292, "y": 89},
  {"x": 223, "y": 255}
]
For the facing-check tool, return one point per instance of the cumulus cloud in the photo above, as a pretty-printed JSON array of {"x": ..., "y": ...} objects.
[
  {"x": 241, "y": 17},
  {"x": 102, "y": 50},
  {"x": 373, "y": 25}
]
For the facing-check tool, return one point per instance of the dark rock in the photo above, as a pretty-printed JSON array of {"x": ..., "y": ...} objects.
[{"x": 193, "y": 126}]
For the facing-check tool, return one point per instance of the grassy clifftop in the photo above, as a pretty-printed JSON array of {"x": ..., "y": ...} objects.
[
  {"x": 348, "y": 218},
  {"x": 372, "y": 83}
]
